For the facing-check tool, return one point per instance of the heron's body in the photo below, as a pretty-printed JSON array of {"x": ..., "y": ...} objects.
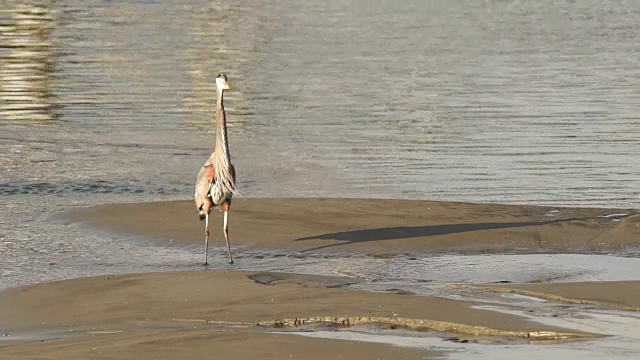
[
  {"x": 206, "y": 188},
  {"x": 215, "y": 184}
]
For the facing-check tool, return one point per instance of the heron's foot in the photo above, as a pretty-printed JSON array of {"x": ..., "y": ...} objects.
[{"x": 230, "y": 261}]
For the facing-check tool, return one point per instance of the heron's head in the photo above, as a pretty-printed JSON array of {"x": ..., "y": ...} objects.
[
  {"x": 201, "y": 213},
  {"x": 221, "y": 82}
]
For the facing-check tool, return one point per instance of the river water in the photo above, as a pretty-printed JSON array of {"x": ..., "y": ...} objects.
[{"x": 476, "y": 101}]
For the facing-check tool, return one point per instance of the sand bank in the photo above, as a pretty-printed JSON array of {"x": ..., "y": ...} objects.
[
  {"x": 377, "y": 226},
  {"x": 203, "y": 312}
]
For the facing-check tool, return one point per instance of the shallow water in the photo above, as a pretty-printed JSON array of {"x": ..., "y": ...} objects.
[
  {"x": 616, "y": 347},
  {"x": 509, "y": 102}
]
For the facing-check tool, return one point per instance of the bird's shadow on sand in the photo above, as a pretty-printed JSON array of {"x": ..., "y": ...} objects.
[{"x": 407, "y": 232}]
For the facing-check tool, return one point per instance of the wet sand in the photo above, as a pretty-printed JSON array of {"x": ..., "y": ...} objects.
[
  {"x": 233, "y": 313},
  {"x": 200, "y": 312},
  {"x": 133, "y": 316},
  {"x": 376, "y": 226},
  {"x": 614, "y": 294}
]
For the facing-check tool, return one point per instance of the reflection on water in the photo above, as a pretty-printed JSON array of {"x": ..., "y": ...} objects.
[
  {"x": 25, "y": 62},
  {"x": 223, "y": 42}
]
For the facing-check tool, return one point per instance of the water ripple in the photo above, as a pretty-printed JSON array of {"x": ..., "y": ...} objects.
[{"x": 85, "y": 187}]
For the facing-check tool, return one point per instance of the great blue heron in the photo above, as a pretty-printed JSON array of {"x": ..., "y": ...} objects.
[{"x": 216, "y": 181}]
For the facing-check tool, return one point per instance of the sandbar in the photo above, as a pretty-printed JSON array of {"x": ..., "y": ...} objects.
[{"x": 242, "y": 315}]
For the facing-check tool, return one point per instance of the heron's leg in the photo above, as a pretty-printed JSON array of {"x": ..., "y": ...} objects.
[
  {"x": 225, "y": 228},
  {"x": 206, "y": 237}
]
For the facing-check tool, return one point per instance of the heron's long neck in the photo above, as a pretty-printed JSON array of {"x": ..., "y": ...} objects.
[{"x": 222, "y": 145}]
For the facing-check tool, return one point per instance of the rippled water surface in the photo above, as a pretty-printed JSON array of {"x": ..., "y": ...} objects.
[
  {"x": 527, "y": 102},
  {"x": 532, "y": 102}
]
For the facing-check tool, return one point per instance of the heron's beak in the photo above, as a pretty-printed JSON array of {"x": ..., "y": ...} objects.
[{"x": 226, "y": 86}]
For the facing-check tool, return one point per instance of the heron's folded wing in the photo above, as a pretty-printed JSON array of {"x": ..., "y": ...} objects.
[{"x": 203, "y": 182}]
